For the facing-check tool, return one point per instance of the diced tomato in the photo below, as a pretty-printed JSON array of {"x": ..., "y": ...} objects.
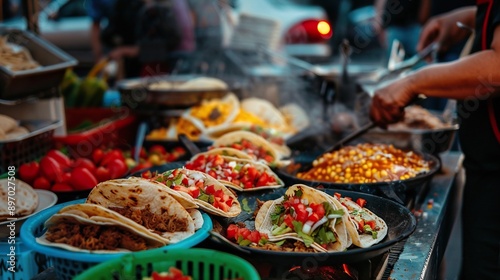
[
  {"x": 199, "y": 184},
  {"x": 245, "y": 233},
  {"x": 268, "y": 158},
  {"x": 175, "y": 272},
  {"x": 361, "y": 202},
  {"x": 194, "y": 191},
  {"x": 263, "y": 180},
  {"x": 371, "y": 223},
  {"x": 185, "y": 181},
  {"x": 210, "y": 189},
  {"x": 229, "y": 201},
  {"x": 288, "y": 220},
  {"x": 237, "y": 146},
  {"x": 175, "y": 172},
  {"x": 313, "y": 217},
  {"x": 254, "y": 236},
  {"x": 252, "y": 172},
  {"x": 212, "y": 173},
  {"x": 181, "y": 188},
  {"x": 247, "y": 185},
  {"x": 361, "y": 224},
  {"x": 337, "y": 195},
  {"x": 218, "y": 160},
  {"x": 218, "y": 203},
  {"x": 231, "y": 231},
  {"x": 320, "y": 210}
]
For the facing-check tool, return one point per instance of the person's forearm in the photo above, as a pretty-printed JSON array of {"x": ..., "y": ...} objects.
[{"x": 474, "y": 76}]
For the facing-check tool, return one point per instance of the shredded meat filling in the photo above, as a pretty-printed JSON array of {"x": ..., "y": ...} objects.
[
  {"x": 94, "y": 237},
  {"x": 158, "y": 223}
]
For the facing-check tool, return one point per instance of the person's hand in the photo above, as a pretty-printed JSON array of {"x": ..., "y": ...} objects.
[
  {"x": 388, "y": 103},
  {"x": 444, "y": 30}
]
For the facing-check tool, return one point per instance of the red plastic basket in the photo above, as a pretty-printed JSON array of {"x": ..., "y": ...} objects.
[{"x": 112, "y": 127}]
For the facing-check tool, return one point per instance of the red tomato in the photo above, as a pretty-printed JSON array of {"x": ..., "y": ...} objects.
[
  {"x": 112, "y": 155},
  {"x": 337, "y": 195},
  {"x": 41, "y": 183},
  {"x": 254, "y": 236},
  {"x": 210, "y": 189},
  {"x": 371, "y": 223},
  {"x": 194, "y": 191},
  {"x": 65, "y": 178},
  {"x": 288, "y": 220},
  {"x": 82, "y": 179},
  {"x": 51, "y": 169},
  {"x": 61, "y": 158},
  {"x": 84, "y": 162},
  {"x": 245, "y": 233},
  {"x": 232, "y": 230},
  {"x": 117, "y": 168},
  {"x": 361, "y": 224},
  {"x": 97, "y": 156},
  {"x": 313, "y": 217},
  {"x": 102, "y": 174},
  {"x": 28, "y": 172},
  {"x": 147, "y": 174},
  {"x": 361, "y": 202},
  {"x": 158, "y": 149},
  {"x": 61, "y": 187}
]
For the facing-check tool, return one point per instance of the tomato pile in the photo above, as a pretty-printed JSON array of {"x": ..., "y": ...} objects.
[
  {"x": 59, "y": 173},
  {"x": 173, "y": 274},
  {"x": 194, "y": 185},
  {"x": 250, "y": 148},
  {"x": 154, "y": 155},
  {"x": 241, "y": 174},
  {"x": 244, "y": 236}
]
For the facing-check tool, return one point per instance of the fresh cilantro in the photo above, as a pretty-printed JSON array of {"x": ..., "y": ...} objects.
[
  {"x": 368, "y": 229},
  {"x": 245, "y": 242},
  {"x": 278, "y": 210},
  {"x": 324, "y": 236},
  {"x": 308, "y": 240},
  {"x": 279, "y": 230},
  {"x": 299, "y": 193},
  {"x": 280, "y": 243},
  {"x": 206, "y": 197},
  {"x": 263, "y": 241}
]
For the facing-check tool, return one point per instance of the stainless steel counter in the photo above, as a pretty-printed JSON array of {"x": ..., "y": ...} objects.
[{"x": 423, "y": 251}]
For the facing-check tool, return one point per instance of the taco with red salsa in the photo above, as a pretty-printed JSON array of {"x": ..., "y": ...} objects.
[
  {"x": 202, "y": 189},
  {"x": 239, "y": 174},
  {"x": 305, "y": 214}
]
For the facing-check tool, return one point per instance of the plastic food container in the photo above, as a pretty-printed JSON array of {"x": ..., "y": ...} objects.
[
  {"x": 198, "y": 263},
  {"x": 22, "y": 84},
  {"x": 110, "y": 127}
]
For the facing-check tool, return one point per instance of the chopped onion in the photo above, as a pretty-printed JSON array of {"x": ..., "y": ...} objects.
[
  {"x": 319, "y": 223},
  {"x": 309, "y": 210},
  {"x": 333, "y": 216},
  {"x": 232, "y": 164},
  {"x": 304, "y": 201},
  {"x": 307, "y": 227},
  {"x": 197, "y": 176}
]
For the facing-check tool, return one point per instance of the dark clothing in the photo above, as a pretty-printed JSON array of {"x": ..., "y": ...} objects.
[
  {"x": 481, "y": 233},
  {"x": 401, "y": 12},
  {"x": 480, "y": 141},
  {"x": 443, "y": 6},
  {"x": 480, "y": 117}
]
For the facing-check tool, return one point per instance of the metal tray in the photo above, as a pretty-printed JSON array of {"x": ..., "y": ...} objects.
[
  {"x": 15, "y": 85},
  {"x": 136, "y": 92}
]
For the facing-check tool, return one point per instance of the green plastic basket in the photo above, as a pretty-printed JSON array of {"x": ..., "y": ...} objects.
[{"x": 200, "y": 264}]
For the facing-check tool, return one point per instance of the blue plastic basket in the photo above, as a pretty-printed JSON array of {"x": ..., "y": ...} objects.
[{"x": 68, "y": 264}]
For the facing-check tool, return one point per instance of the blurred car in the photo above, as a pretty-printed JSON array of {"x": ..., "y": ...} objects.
[{"x": 303, "y": 29}]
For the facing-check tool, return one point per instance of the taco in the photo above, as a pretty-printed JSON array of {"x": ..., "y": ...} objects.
[
  {"x": 254, "y": 145},
  {"x": 26, "y": 199},
  {"x": 275, "y": 137},
  {"x": 201, "y": 189},
  {"x": 266, "y": 111},
  {"x": 94, "y": 228},
  {"x": 305, "y": 214},
  {"x": 239, "y": 174},
  {"x": 230, "y": 152},
  {"x": 213, "y": 113},
  {"x": 147, "y": 203},
  {"x": 364, "y": 227}
]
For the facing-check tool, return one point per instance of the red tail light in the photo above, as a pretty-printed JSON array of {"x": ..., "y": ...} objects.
[{"x": 309, "y": 31}]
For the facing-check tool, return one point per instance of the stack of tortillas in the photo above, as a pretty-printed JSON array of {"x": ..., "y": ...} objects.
[
  {"x": 26, "y": 199},
  {"x": 10, "y": 129}
]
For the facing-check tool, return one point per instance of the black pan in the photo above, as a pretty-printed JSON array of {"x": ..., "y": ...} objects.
[
  {"x": 395, "y": 190},
  {"x": 400, "y": 221}
]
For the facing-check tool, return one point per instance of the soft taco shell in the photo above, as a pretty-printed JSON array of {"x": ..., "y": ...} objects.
[
  {"x": 26, "y": 199},
  {"x": 266, "y": 111},
  {"x": 96, "y": 215},
  {"x": 237, "y": 136},
  {"x": 148, "y": 203},
  {"x": 226, "y": 151},
  {"x": 234, "y": 209},
  {"x": 363, "y": 240}
]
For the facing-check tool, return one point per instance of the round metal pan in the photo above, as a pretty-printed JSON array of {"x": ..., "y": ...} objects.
[
  {"x": 394, "y": 190},
  {"x": 400, "y": 221}
]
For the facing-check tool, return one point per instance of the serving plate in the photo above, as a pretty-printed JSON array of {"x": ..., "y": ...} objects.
[{"x": 46, "y": 199}]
